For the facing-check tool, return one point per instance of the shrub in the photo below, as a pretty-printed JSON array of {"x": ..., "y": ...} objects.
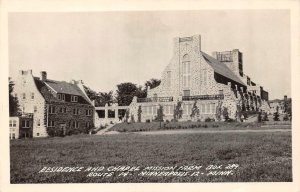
[
  {"x": 147, "y": 120},
  {"x": 207, "y": 119},
  {"x": 178, "y": 111},
  {"x": 265, "y": 117},
  {"x": 229, "y": 120},
  {"x": 225, "y": 113},
  {"x": 286, "y": 117},
  {"x": 195, "y": 110},
  {"x": 132, "y": 119},
  {"x": 167, "y": 121},
  {"x": 219, "y": 111},
  {"x": 276, "y": 116},
  {"x": 259, "y": 117}
]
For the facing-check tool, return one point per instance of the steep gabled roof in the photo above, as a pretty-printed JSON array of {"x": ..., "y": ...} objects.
[
  {"x": 221, "y": 68},
  {"x": 64, "y": 87},
  {"x": 58, "y": 86}
]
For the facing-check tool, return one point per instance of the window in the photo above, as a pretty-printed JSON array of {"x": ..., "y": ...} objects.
[
  {"x": 51, "y": 109},
  {"x": 75, "y": 124},
  {"x": 32, "y": 95},
  {"x": 51, "y": 124},
  {"x": 207, "y": 108},
  {"x": 88, "y": 124},
  {"x": 166, "y": 109},
  {"x": 25, "y": 123},
  {"x": 13, "y": 136},
  {"x": 24, "y": 96},
  {"x": 34, "y": 109},
  {"x": 213, "y": 108},
  {"x": 14, "y": 123},
  {"x": 88, "y": 112},
  {"x": 61, "y": 97},
  {"x": 186, "y": 70},
  {"x": 37, "y": 134},
  {"x": 10, "y": 123},
  {"x": 74, "y": 98},
  {"x": 154, "y": 110},
  {"x": 76, "y": 111},
  {"x": 63, "y": 110},
  {"x": 203, "y": 108},
  {"x": 221, "y": 92},
  {"x": 187, "y": 108}
]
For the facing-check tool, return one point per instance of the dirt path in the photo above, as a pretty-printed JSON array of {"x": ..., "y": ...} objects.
[{"x": 193, "y": 131}]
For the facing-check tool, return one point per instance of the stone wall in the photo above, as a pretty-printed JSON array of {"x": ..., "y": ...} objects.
[
  {"x": 68, "y": 117},
  {"x": 24, "y": 84}
]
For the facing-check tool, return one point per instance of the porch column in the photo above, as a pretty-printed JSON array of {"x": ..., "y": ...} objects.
[
  {"x": 117, "y": 112},
  {"x": 106, "y": 111}
]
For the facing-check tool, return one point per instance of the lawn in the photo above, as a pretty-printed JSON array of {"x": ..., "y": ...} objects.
[{"x": 260, "y": 156}]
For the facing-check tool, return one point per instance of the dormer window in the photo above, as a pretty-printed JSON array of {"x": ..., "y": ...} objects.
[
  {"x": 74, "y": 98},
  {"x": 61, "y": 97}
]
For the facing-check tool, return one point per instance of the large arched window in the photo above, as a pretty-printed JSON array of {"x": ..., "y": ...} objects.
[{"x": 186, "y": 70}]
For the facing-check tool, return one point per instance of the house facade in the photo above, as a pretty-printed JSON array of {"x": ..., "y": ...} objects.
[
  {"x": 57, "y": 106},
  {"x": 195, "y": 78},
  {"x": 21, "y": 126}
]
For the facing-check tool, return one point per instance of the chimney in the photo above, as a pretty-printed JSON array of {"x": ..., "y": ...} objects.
[{"x": 43, "y": 75}]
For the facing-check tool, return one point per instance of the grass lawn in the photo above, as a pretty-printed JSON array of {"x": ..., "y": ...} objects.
[
  {"x": 260, "y": 156},
  {"x": 154, "y": 126}
]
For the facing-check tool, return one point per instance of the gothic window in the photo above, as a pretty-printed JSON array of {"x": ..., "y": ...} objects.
[{"x": 186, "y": 70}]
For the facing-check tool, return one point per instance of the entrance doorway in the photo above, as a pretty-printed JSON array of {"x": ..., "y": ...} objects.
[{"x": 63, "y": 127}]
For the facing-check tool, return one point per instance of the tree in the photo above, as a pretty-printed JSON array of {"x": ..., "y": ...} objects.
[
  {"x": 178, "y": 111},
  {"x": 160, "y": 115},
  {"x": 140, "y": 114},
  {"x": 195, "y": 110},
  {"x": 225, "y": 114},
  {"x": 259, "y": 117},
  {"x": 14, "y": 107},
  {"x": 106, "y": 97},
  {"x": 100, "y": 98},
  {"x": 141, "y": 92},
  {"x": 265, "y": 117},
  {"x": 152, "y": 83},
  {"x": 219, "y": 111},
  {"x": 276, "y": 116},
  {"x": 125, "y": 93}
]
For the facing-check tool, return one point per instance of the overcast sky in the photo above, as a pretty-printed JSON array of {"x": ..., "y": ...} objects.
[{"x": 107, "y": 48}]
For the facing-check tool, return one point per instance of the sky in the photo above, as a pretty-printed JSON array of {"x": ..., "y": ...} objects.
[{"x": 107, "y": 48}]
